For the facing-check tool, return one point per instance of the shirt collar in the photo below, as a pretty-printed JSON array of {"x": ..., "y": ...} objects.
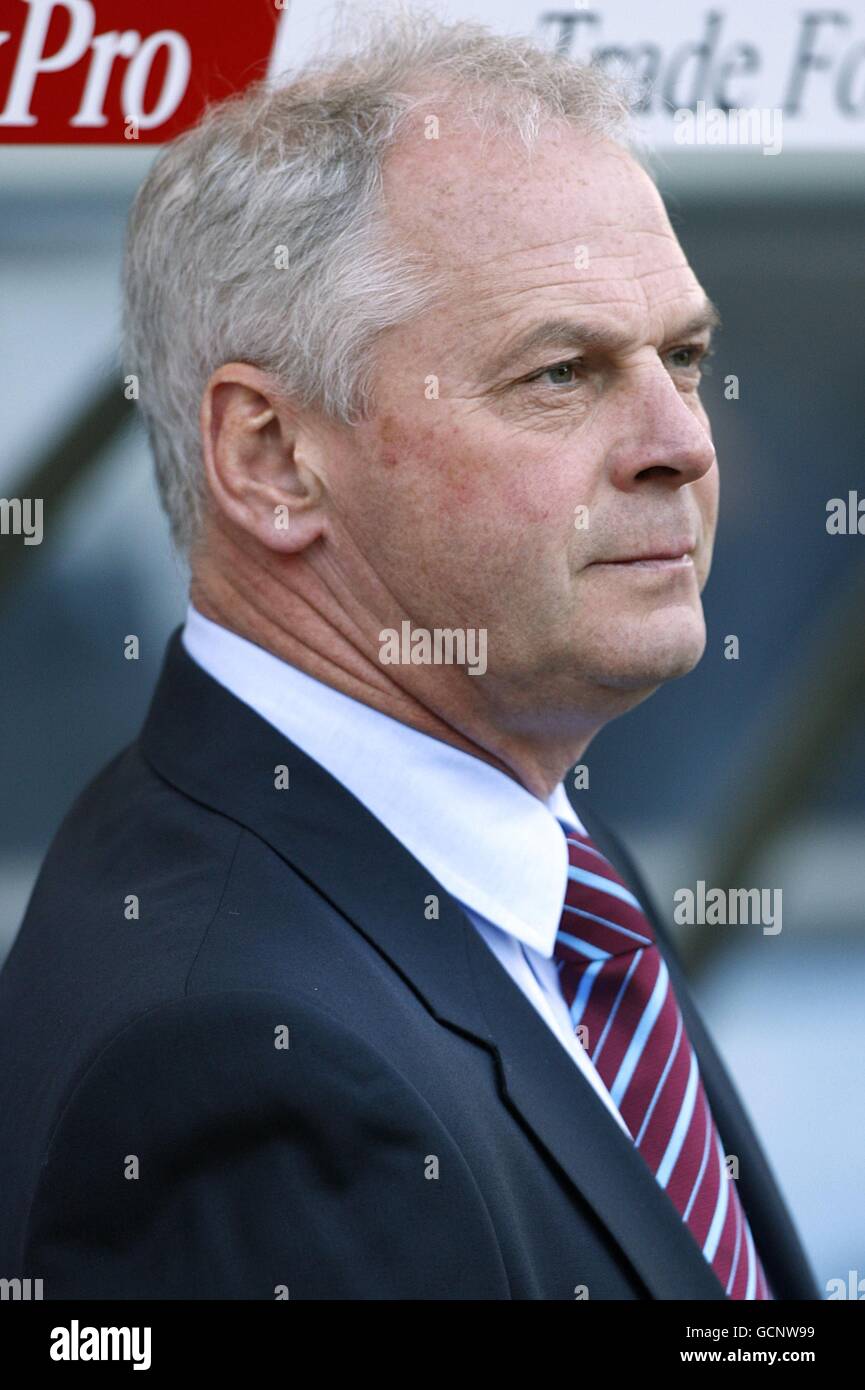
[{"x": 493, "y": 845}]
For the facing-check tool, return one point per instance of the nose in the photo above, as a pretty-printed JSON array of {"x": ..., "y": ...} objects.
[{"x": 659, "y": 437}]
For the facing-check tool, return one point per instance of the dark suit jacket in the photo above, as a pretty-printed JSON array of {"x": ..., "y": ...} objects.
[{"x": 422, "y": 1135}]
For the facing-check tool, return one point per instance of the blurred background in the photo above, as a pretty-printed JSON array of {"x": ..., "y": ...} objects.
[{"x": 748, "y": 773}]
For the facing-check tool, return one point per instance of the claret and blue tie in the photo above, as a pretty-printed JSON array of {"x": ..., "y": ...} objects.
[{"x": 617, "y": 987}]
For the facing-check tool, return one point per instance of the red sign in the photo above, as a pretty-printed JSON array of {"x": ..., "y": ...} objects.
[{"x": 116, "y": 71}]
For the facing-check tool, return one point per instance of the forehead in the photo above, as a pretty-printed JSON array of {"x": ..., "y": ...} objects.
[{"x": 577, "y": 221}]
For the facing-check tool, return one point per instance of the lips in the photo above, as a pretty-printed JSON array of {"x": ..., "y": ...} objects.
[{"x": 681, "y": 551}]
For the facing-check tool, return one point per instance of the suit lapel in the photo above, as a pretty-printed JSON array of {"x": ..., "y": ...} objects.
[
  {"x": 774, "y": 1234},
  {"x": 214, "y": 748},
  {"x": 546, "y": 1088}
]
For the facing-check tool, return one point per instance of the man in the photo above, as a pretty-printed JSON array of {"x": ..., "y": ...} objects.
[{"x": 326, "y": 990}]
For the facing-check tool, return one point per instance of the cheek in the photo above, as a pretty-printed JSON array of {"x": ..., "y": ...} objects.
[
  {"x": 391, "y": 444},
  {"x": 506, "y": 476},
  {"x": 471, "y": 486}
]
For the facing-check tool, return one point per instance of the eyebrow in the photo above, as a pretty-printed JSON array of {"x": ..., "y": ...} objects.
[{"x": 569, "y": 333}]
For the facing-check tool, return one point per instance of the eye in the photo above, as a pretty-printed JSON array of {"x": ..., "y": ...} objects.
[
  {"x": 559, "y": 374},
  {"x": 690, "y": 356}
]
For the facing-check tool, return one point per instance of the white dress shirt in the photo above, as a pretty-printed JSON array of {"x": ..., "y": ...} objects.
[{"x": 494, "y": 846}]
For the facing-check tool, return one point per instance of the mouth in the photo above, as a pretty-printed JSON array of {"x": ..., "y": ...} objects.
[{"x": 675, "y": 557}]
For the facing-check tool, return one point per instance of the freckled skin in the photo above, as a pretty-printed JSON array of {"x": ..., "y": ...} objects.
[{"x": 459, "y": 511}]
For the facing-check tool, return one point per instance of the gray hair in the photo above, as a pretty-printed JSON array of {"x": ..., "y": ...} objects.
[{"x": 259, "y": 235}]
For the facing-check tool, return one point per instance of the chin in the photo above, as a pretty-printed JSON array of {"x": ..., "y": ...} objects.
[{"x": 650, "y": 654}]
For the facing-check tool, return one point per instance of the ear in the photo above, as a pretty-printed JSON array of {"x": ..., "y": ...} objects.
[{"x": 262, "y": 459}]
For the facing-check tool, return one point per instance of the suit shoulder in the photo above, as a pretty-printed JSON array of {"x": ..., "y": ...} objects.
[
  {"x": 128, "y": 816},
  {"x": 132, "y": 857}
]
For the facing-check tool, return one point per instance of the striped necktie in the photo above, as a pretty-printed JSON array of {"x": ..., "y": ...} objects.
[{"x": 615, "y": 983}]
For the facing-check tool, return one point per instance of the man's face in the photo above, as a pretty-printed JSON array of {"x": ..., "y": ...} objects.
[{"x": 566, "y": 362}]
